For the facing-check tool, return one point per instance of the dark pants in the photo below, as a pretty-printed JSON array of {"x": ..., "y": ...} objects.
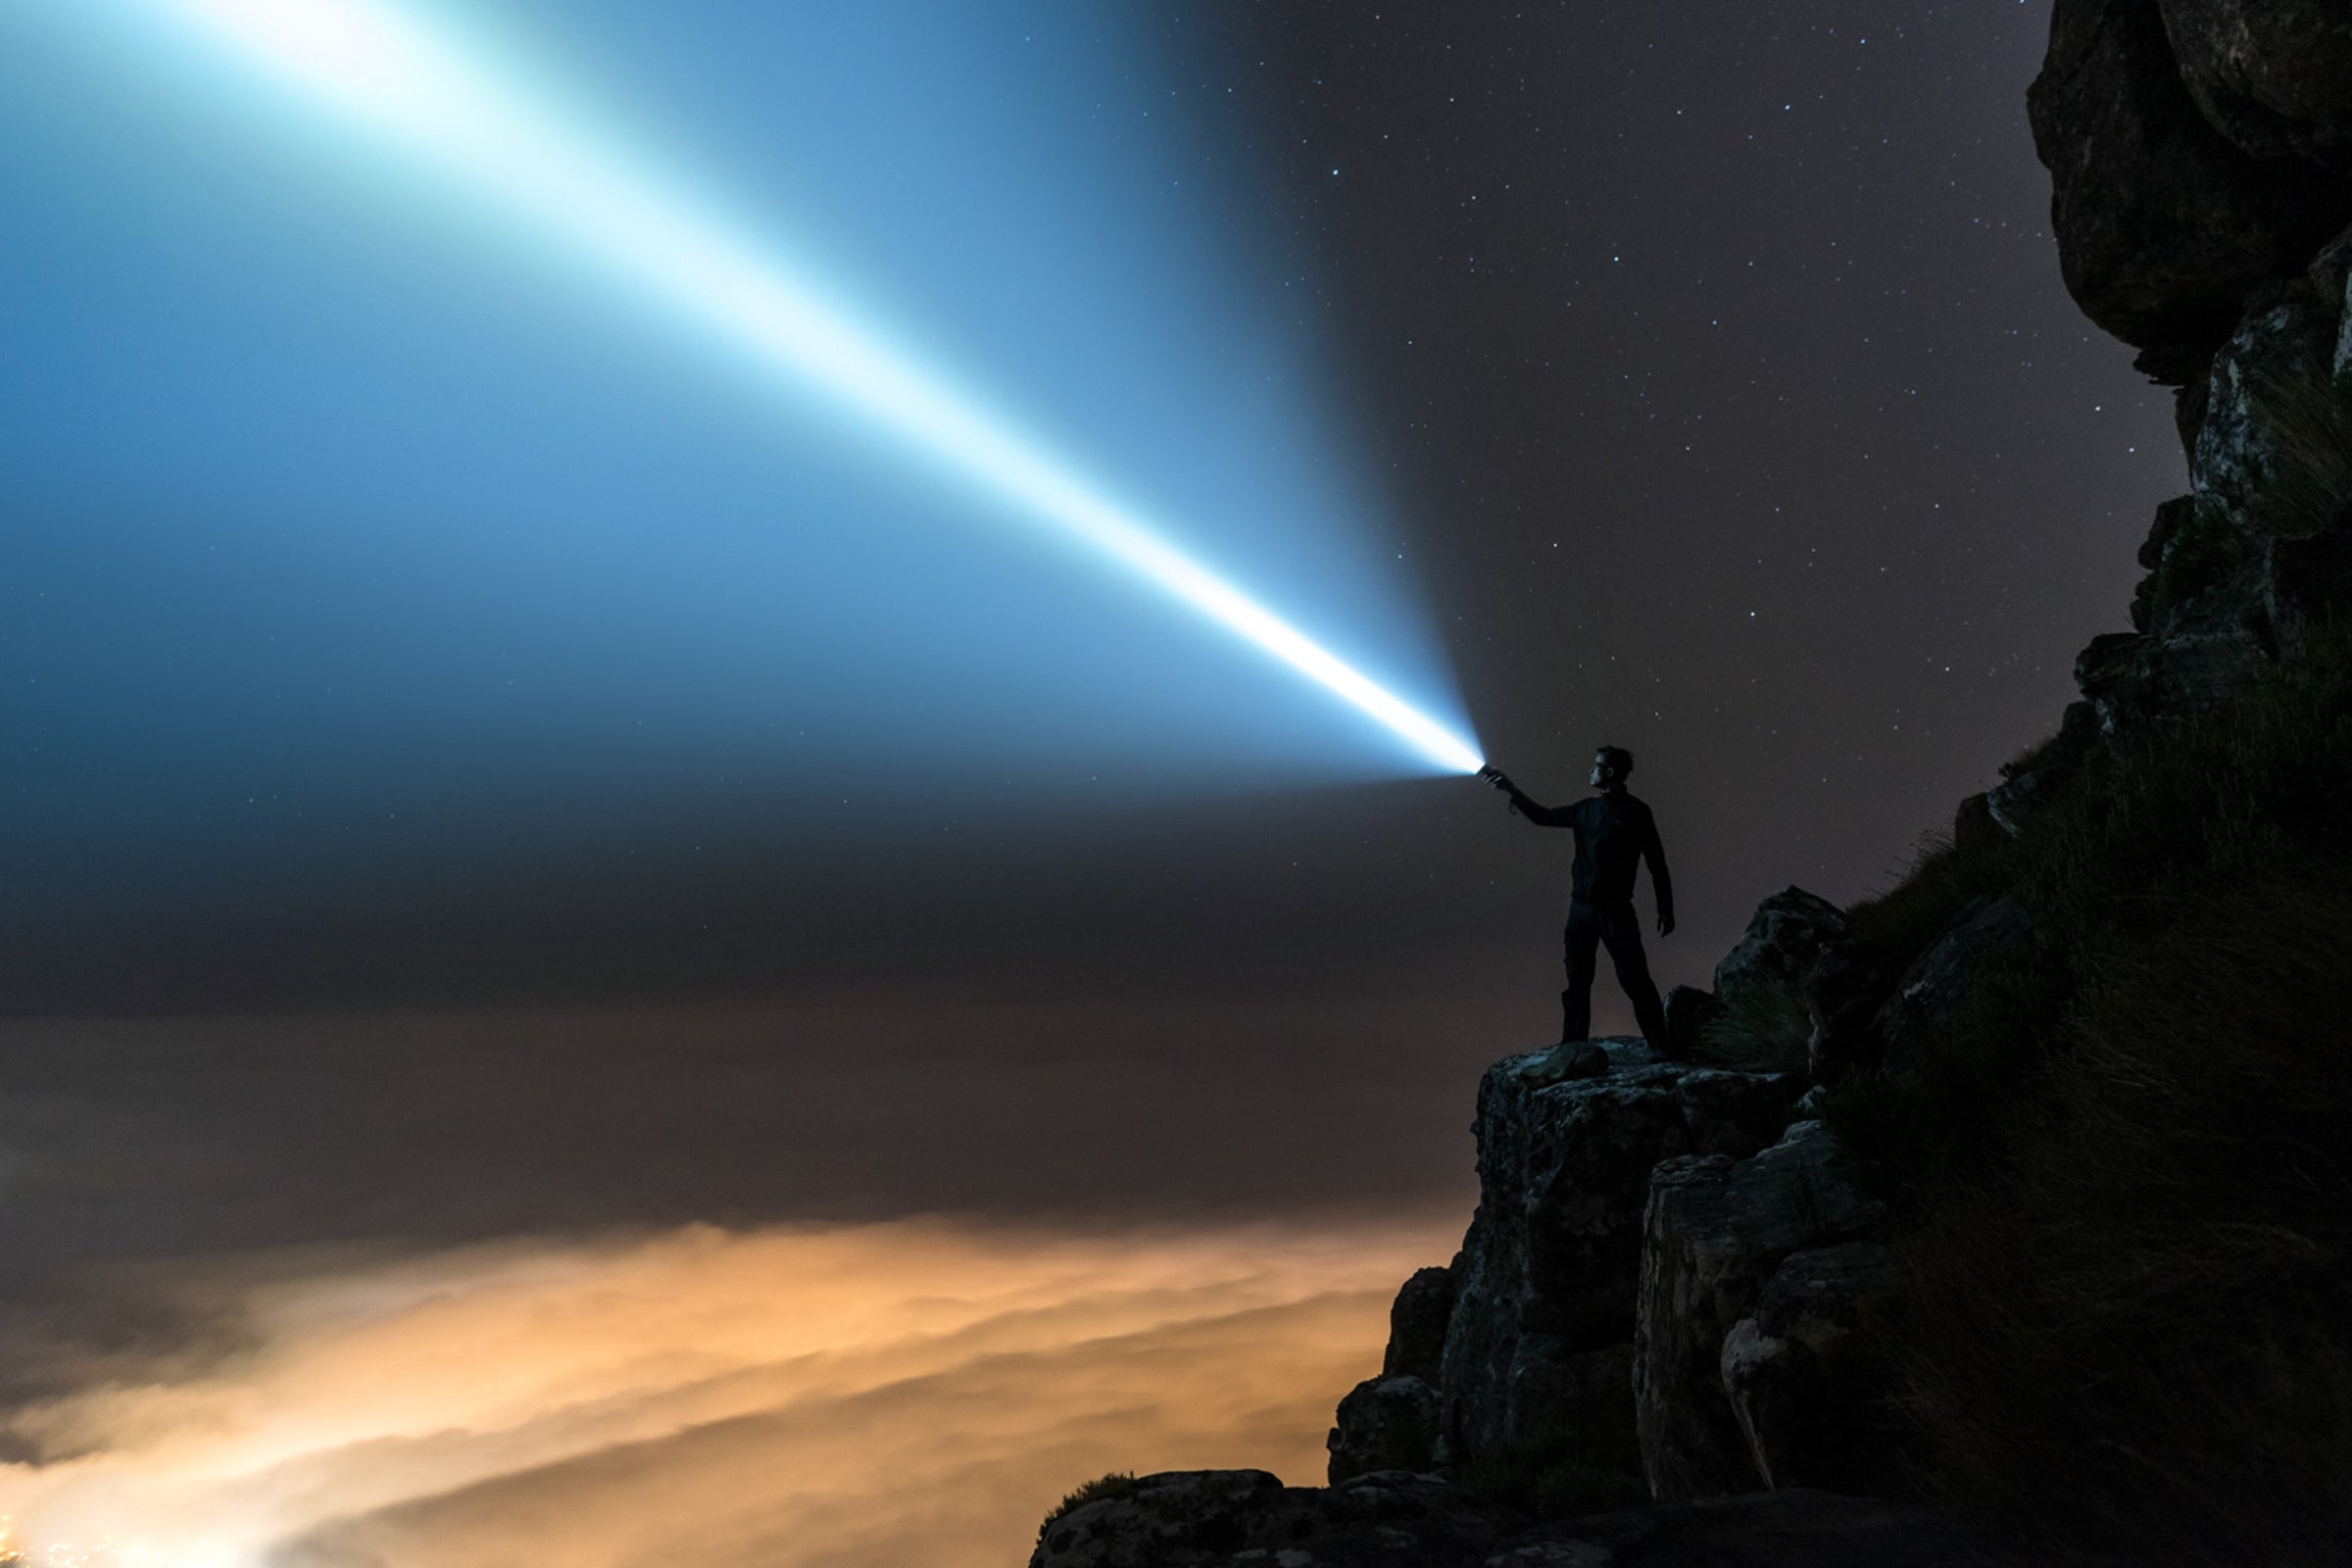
[{"x": 1591, "y": 926}]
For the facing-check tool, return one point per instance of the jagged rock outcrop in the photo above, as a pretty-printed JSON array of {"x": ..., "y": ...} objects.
[
  {"x": 1716, "y": 1232},
  {"x": 2014, "y": 801},
  {"x": 1417, "y": 1322},
  {"x": 2245, "y": 568},
  {"x": 2163, "y": 225},
  {"x": 1391, "y": 1422},
  {"x": 2198, "y": 151},
  {"x": 2288, "y": 345},
  {"x": 1782, "y": 940},
  {"x": 1199, "y": 1518},
  {"x": 1667, "y": 1275},
  {"x": 2033, "y": 784},
  {"x": 2283, "y": 351},
  {"x": 1540, "y": 1310},
  {"x": 1870, "y": 1011},
  {"x": 2270, "y": 74},
  {"x": 1990, "y": 944},
  {"x": 1385, "y": 1423},
  {"x": 1803, "y": 1384},
  {"x": 1249, "y": 1519},
  {"x": 1538, "y": 1352},
  {"x": 1756, "y": 1015}
]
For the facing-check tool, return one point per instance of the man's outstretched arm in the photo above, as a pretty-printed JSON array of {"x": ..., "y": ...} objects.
[
  {"x": 1525, "y": 805},
  {"x": 1654, "y": 849}
]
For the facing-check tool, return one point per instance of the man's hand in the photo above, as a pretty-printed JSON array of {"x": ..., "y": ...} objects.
[
  {"x": 1665, "y": 924},
  {"x": 1499, "y": 779}
]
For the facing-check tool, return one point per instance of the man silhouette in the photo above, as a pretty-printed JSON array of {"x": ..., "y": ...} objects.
[{"x": 1614, "y": 834}]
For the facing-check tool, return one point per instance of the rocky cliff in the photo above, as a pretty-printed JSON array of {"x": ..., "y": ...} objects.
[
  {"x": 2019, "y": 1190},
  {"x": 2198, "y": 151},
  {"x": 1657, "y": 1294}
]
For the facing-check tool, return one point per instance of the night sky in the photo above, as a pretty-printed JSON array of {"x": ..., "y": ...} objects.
[
  {"x": 1709, "y": 371},
  {"x": 1692, "y": 377}
]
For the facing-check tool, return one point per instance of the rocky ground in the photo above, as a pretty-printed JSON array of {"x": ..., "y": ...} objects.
[{"x": 1249, "y": 1519}]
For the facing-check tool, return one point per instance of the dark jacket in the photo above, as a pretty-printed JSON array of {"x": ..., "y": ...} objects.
[{"x": 1614, "y": 834}]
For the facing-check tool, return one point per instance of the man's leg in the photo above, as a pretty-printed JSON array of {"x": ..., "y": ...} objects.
[
  {"x": 1582, "y": 940},
  {"x": 1621, "y": 929}
]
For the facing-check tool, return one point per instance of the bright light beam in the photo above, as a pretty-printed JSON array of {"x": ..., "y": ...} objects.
[{"x": 372, "y": 63}]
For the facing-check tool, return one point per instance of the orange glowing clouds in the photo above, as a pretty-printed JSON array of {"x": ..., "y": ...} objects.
[{"x": 915, "y": 1393}]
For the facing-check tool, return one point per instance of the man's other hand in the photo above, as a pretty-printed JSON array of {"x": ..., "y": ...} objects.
[{"x": 1665, "y": 925}]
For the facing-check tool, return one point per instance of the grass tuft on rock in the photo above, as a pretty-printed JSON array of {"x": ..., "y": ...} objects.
[
  {"x": 1942, "y": 878},
  {"x": 1761, "y": 1029},
  {"x": 1117, "y": 1484},
  {"x": 2307, "y": 486},
  {"x": 2207, "y": 549}
]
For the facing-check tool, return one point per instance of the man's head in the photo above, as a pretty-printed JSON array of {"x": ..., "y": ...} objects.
[{"x": 1610, "y": 765}]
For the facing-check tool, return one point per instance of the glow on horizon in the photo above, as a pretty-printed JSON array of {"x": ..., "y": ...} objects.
[
  {"x": 386, "y": 70},
  {"x": 902, "y": 1391}
]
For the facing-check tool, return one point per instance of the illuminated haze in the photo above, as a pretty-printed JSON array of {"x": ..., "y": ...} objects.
[
  {"x": 583, "y": 545},
  {"x": 379, "y": 67},
  {"x": 906, "y": 1394}
]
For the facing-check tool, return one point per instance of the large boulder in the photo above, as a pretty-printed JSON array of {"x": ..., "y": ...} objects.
[
  {"x": 1214, "y": 1518},
  {"x": 1805, "y": 1381},
  {"x": 1385, "y": 1423},
  {"x": 1417, "y": 1323},
  {"x": 2206, "y": 652},
  {"x": 1760, "y": 983},
  {"x": 1991, "y": 943},
  {"x": 1249, "y": 1519},
  {"x": 1548, "y": 1278},
  {"x": 2270, "y": 74},
  {"x": 2240, "y": 570},
  {"x": 1391, "y": 1422},
  {"x": 1716, "y": 1230},
  {"x": 2163, "y": 225},
  {"x": 1782, "y": 940},
  {"x": 2268, "y": 397}
]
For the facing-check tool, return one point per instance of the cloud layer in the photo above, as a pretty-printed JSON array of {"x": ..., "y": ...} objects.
[{"x": 911, "y": 1392}]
